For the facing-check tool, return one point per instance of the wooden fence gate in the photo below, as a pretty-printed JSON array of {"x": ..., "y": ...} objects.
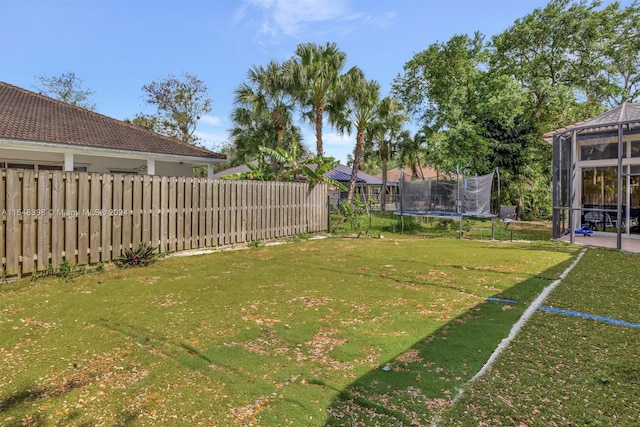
[{"x": 84, "y": 218}]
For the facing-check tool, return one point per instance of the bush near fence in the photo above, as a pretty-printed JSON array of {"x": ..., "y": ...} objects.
[{"x": 83, "y": 218}]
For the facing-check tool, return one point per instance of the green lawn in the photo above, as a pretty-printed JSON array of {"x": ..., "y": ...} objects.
[
  {"x": 563, "y": 370},
  {"x": 382, "y": 223},
  {"x": 326, "y": 332}
]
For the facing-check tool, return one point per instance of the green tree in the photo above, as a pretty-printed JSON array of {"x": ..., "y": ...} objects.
[
  {"x": 487, "y": 105},
  {"x": 569, "y": 59},
  {"x": 474, "y": 119},
  {"x": 360, "y": 99},
  {"x": 289, "y": 166},
  {"x": 441, "y": 87},
  {"x": 385, "y": 132},
  {"x": 412, "y": 151},
  {"x": 316, "y": 71},
  {"x": 554, "y": 53},
  {"x": 618, "y": 80},
  {"x": 264, "y": 109},
  {"x": 179, "y": 103},
  {"x": 66, "y": 87},
  {"x": 146, "y": 122}
]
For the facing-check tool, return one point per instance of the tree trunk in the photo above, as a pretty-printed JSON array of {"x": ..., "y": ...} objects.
[
  {"x": 357, "y": 155},
  {"x": 319, "y": 115},
  {"x": 279, "y": 144},
  {"x": 384, "y": 157},
  {"x": 520, "y": 207}
]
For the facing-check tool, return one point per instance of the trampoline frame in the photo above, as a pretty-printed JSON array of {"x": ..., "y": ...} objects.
[{"x": 448, "y": 214}]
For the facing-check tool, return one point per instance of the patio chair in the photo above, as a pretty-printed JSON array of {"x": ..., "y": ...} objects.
[
  {"x": 595, "y": 219},
  {"x": 507, "y": 213},
  {"x": 611, "y": 222}
]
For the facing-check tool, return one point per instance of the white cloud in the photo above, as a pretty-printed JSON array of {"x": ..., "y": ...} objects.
[
  {"x": 290, "y": 16},
  {"x": 212, "y": 140},
  {"x": 212, "y": 120},
  {"x": 333, "y": 138}
]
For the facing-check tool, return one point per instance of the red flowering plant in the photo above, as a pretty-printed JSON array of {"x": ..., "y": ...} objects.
[{"x": 142, "y": 255}]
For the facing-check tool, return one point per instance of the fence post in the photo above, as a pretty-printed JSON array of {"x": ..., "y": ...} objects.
[{"x": 328, "y": 214}]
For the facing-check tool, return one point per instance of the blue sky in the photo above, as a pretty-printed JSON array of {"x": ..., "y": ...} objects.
[{"x": 117, "y": 46}]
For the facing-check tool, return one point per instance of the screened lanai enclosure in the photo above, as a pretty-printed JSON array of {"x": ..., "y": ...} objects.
[{"x": 596, "y": 175}]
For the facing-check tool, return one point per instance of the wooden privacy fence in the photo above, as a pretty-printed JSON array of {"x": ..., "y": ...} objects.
[{"x": 51, "y": 216}]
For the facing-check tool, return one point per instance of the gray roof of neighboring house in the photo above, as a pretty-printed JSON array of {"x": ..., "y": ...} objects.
[
  {"x": 235, "y": 169},
  {"x": 340, "y": 173},
  {"x": 30, "y": 117}
]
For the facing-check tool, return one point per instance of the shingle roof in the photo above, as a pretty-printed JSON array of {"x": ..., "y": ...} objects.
[{"x": 28, "y": 116}]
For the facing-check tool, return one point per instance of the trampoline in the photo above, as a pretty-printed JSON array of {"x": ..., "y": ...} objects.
[{"x": 457, "y": 198}]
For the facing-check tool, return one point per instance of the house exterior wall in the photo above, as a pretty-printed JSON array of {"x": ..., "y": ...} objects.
[{"x": 96, "y": 163}]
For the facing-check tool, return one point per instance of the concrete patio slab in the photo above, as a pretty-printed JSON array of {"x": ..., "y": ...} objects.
[{"x": 605, "y": 240}]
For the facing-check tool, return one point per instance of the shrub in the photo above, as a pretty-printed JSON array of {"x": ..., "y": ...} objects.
[
  {"x": 255, "y": 243},
  {"x": 356, "y": 214},
  {"x": 141, "y": 256},
  {"x": 65, "y": 270}
]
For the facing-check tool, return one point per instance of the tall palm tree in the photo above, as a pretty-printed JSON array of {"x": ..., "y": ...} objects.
[
  {"x": 264, "y": 108},
  {"x": 384, "y": 133},
  {"x": 360, "y": 98},
  {"x": 411, "y": 152},
  {"x": 317, "y": 70}
]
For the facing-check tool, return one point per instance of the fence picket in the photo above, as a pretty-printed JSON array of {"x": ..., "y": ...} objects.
[
  {"x": 115, "y": 212},
  {"x": 14, "y": 206},
  {"x": 164, "y": 215},
  {"x": 195, "y": 211},
  {"x": 215, "y": 214},
  {"x": 127, "y": 211},
  {"x": 146, "y": 209},
  {"x": 28, "y": 220},
  {"x": 188, "y": 187},
  {"x": 95, "y": 223},
  {"x": 57, "y": 217},
  {"x": 82, "y": 209},
  {"x": 43, "y": 207},
  {"x": 172, "y": 213},
  {"x": 70, "y": 217},
  {"x": 202, "y": 209},
  {"x": 136, "y": 220},
  {"x": 180, "y": 214},
  {"x": 208, "y": 213},
  {"x": 3, "y": 228},
  {"x": 155, "y": 211}
]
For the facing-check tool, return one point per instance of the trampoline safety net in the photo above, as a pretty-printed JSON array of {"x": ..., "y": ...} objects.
[{"x": 467, "y": 196}]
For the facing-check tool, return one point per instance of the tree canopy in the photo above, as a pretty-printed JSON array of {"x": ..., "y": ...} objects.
[
  {"x": 66, "y": 87},
  {"x": 486, "y": 104},
  {"x": 317, "y": 71},
  {"x": 179, "y": 103},
  {"x": 384, "y": 135},
  {"x": 288, "y": 165},
  {"x": 359, "y": 100},
  {"x": 263, "y": 114}
]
